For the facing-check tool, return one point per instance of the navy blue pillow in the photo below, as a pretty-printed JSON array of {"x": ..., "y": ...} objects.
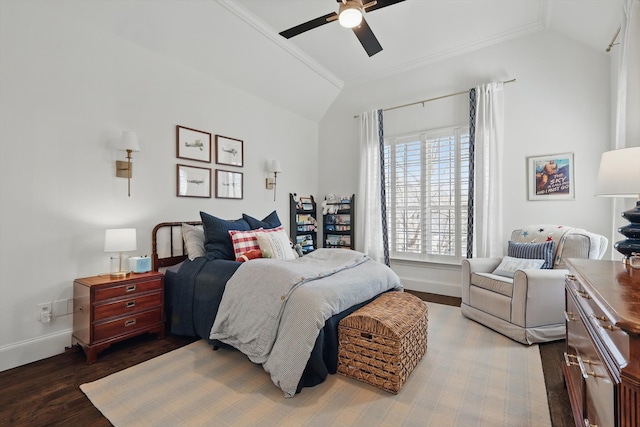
[
  {"x": 217, "y": 242},
  {"x": 270, "y": 221},
  {"x": 543, "y": 251}
]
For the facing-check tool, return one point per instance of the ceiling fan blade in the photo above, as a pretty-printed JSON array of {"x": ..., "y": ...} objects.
[
  {"x": 367, "y": 38},
  {"x": 310, "y": 25},
  {"x": 382, "y": 3}
]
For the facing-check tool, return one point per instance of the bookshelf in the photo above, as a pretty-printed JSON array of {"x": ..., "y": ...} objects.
[
  {"x": 303, "y": 222},
  {"x": 338, "y": 224}
]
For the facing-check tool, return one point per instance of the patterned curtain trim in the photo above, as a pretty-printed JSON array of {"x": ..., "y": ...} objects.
[
  {"x": 383, "y": 193},
  {"x": 472, "y": 149}
]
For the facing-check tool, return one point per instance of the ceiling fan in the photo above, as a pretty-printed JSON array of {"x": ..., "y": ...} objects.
[{"x": 350, "y": 15}]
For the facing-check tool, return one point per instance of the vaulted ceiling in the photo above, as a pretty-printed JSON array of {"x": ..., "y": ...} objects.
[{"x": 238, "y": 41}]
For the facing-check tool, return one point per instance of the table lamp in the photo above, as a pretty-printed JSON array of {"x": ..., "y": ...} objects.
[
  {"x": 619, "y": 176},
  {"x": 119, "y": 240}
]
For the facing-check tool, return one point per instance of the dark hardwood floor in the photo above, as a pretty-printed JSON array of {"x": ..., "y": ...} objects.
[{"x": 47, "y": 392}]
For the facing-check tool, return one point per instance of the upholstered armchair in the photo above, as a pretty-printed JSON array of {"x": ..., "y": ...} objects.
[{"x": 519, "y": 296}]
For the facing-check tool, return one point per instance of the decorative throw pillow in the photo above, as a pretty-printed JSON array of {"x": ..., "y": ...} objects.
[
  {"x": 543, "y": 251},
  {"x": 252, "y": 254},
  {"x": 275, "y": 245},
  {"x": 510, "y": 265},
  {"x": 244, "y": 241},
  {"x": 217, "y": 242},
  {"x": 193, "y": 237},
  {"x": 270, "y": 221}
]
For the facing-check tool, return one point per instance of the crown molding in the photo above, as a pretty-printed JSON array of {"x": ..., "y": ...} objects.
[{"x": 268, "y": 32}]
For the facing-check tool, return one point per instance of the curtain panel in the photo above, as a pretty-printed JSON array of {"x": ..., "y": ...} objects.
[
  {"x": 487, "y": 140},
  {"x": 371, "y": 215}
]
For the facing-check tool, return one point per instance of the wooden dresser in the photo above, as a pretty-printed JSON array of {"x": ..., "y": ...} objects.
[
  {"x": 602, "y": 361},
  {"x": 107, "y": 310}
]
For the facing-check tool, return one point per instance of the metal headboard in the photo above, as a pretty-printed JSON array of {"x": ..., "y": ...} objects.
[{"x": 167, "y": 245}]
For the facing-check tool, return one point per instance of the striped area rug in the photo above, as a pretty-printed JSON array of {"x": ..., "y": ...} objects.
[{"x": 470, "y": 376}]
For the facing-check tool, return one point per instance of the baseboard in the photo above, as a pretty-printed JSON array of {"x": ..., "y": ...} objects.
[
  {"x": 448, "y": 289},
  {"x": 23, "y": 352}
]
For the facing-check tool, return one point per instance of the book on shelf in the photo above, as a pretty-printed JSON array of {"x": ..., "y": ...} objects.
[
  {"x": 305, "y": 219},
  {"x": 306, "y": 227},
  {"x": 344, "y": 219},
  {"x": 304, "y": 239},
  {"x": 338, "y": 240}
]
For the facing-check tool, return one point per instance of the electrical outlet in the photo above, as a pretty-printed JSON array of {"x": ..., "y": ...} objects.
[{"x": 45, "y": 312}]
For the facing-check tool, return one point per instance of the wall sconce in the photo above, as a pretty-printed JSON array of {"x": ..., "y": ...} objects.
[
  {"x": 271, "y": 182},
  {"x": 619, "y": 176},
  {"x": 119, "y": 240},
  {"x": 128, "y": 142}
]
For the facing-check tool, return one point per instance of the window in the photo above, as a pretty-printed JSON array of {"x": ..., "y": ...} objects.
[{"x": 427, "y": 182}]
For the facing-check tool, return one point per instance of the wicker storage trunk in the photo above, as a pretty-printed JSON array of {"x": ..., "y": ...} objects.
[{"x": 383, "y": 341}]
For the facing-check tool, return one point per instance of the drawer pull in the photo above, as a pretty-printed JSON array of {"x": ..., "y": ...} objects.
[
  {"x": 569, "y": 317},
  {"x": 567, "y": 361},
  {"x": 580, "y": 363},
  {"x": 130, "y": 322},
  {"x": 130, "y": 304},
  {"x": 130, "y": 288},
  {"x": 597, "y": 319},
  {"x": 571, "y": 277},
  {"x": 583, "y": 370},
  {"x": 582, "y": 294}
]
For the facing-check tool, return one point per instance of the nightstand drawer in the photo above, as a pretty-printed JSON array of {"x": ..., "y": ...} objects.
[
  {"x": 126, "y": 325},
  {"x": 126, "y": 306},
  {"x": 126, "y": 289}
]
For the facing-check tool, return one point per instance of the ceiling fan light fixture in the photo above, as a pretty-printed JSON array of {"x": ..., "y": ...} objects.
[{"x": 350, "y": 14}]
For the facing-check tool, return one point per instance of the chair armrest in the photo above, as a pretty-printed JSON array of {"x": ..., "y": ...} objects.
[
  {"x": 475, "y": 265},
  {"x": 538, "y": 297}
]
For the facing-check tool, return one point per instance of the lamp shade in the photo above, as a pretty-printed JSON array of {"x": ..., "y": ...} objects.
[
  {"x": 619, "y": 174},
  {"x": 275, "y": 166},
  {"x": 120, "y": 240},
  {"x": 128, "y": 141}
]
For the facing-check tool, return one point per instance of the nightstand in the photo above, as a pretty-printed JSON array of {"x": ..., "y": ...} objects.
[{"x": 107, "y": 310}]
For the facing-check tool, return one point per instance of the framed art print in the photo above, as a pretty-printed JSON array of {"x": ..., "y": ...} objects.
[
  {"x": 193, "y": 144},
  {"x": 229, "y": 151},
  {"x": 228, "y": 184},
  {"x": 193, "y": 181},
  {"x": 551, "y": 177}
]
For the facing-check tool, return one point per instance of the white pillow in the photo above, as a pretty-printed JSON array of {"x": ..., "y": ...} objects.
[
  {"x": 275, "y": 245},
  {"x": 510, "y": 265},
  {"x": 193, "y": 237}
]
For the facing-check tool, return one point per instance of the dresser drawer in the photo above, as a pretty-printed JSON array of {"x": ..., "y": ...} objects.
[
  {"x": 126, "y": 306},
  {"x": 126, "y": 325},
  {"x": 615, "y": 339},
  {"x": 127, "y": 289}
]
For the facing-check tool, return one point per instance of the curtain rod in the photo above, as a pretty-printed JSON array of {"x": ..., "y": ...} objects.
[
  {"x": 613, "y": 40},
  {"x": 432, "y": 99}
]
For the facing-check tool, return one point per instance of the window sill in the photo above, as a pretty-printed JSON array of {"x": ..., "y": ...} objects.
[{"x": 445, "y": 265}]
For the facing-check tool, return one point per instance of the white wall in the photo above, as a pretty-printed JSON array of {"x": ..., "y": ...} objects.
[
  {"x": 559, "y": 103},
  {"x": 65, "y": 89}
]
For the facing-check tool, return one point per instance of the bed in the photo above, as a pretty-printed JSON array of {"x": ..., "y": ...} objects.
[{"x": 213, "y": 297}]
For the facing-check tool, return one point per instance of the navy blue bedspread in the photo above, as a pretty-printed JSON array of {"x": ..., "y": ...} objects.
[{"x": 193, "y": 295}]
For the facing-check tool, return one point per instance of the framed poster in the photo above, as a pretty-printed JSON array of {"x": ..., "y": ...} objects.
[
  {"x": 192, "y": 181},
  {"x": 193, "y": 144},
  {"x": 229, "y": 151},
  {"x": 551, "y": 177},
  {"x": 228, "y": 184}
]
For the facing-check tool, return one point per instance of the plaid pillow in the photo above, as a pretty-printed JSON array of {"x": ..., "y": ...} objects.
[{"x": 245, "y": 241}]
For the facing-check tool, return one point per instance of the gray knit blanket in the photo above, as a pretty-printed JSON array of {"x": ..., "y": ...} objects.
[{"x": 273, "y": 310}]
